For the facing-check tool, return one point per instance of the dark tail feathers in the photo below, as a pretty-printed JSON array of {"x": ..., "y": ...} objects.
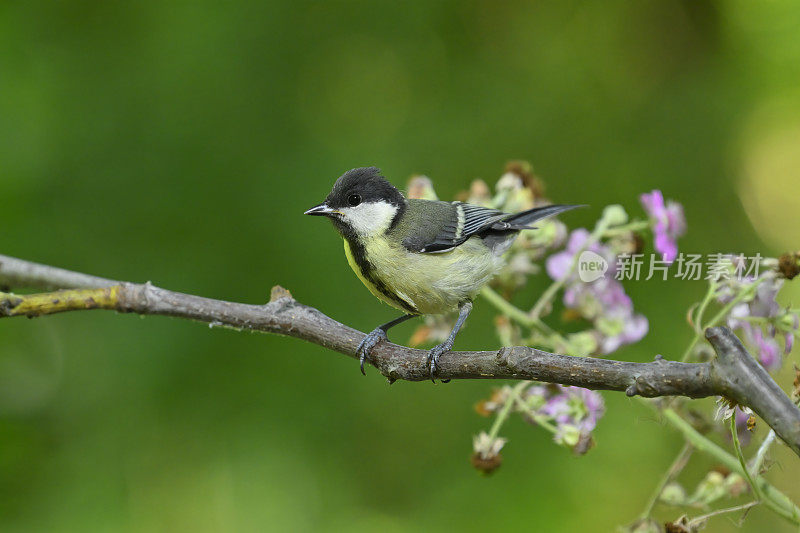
[{"x": 520, "y": 221}]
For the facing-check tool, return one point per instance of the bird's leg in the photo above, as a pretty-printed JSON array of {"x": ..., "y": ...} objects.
[
  {"x": 375, "y": 336},
  {"x": 447, "y": 345}
]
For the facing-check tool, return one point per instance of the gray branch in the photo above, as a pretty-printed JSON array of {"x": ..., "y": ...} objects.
[
  {"x": 733, "y": 373},
  {"x": 20, "y": 273}
]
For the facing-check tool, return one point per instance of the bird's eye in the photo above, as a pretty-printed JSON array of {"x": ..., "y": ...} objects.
[{"x": 354, "y": 199}]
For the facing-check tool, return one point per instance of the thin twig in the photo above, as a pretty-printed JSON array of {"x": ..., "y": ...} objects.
[
  {"x": 702, "y": 518},
  {"x": 504, "y": 411},
  {"x": 761, "y": 454},
  {"x": 737, "y": 446}
]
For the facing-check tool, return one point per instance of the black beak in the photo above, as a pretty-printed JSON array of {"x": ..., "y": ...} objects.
[{"x": 321, "y": 210}]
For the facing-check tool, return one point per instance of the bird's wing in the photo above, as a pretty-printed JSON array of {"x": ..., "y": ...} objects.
[
  {"x": 455, "y": 223},
  {"x": 434, "y": 227}
]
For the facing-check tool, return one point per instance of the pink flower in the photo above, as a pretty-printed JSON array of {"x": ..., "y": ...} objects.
[
  {"x": 602, "y": 301},
  {"x": 558, "y": 264},
  {"x": 769, "y": 354},
  {"x": 633, "y": 329},
  {"x": 762, "y": 305},
  {"x": 670, "y": 223},
  {"x": 574, "y": 410}
]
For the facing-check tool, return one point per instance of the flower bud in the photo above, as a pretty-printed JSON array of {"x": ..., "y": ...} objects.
[
  {"x": 628, "y": 243},
  {"x": 568, "y": 435},
  {"x": 550, "y": 233},
  {"x": 508, "y": 182},
  {"x": 517, "y": 199},
  {"x": 736, "y": 485},
  {"x": 710, "y": 489},
  {"x": 615, "y": 215},
  {"x": 673, "y": 494},
  {"x": 582, "y": 344}
]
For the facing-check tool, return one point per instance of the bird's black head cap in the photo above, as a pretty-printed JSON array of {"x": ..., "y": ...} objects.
[{"x": 361, "y": 185}]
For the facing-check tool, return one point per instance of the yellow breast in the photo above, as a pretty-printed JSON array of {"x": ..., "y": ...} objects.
[
  {"x": 371, "y": 286},
  {"x": 431, "y": 283}
]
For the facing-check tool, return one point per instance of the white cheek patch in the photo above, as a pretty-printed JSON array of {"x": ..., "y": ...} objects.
[{"x": 369, "y": 218}]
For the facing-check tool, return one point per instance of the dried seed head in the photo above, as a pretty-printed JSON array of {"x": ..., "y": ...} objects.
[
  {"x": 420, "y": 336},
  {"x": 486, "y": 456},
  {"x": 483, "y": 408},
  {"x": 796, "y": 383},
  {"x": 789, "y": 264},
  {"x": 486, "y": 466},
  {"x": 585, "y": 443},
  {"x": 680, "y": 525},
  {"x": 524, "y": 170}
]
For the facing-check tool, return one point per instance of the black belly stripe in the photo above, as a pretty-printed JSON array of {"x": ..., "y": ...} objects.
[{"x": 360, "y": 255}]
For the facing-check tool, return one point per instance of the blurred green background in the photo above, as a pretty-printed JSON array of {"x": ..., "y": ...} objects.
[{"x": 181, "y": 142}]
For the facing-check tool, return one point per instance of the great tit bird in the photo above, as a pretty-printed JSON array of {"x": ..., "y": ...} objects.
[{"x": 420, "y": 256}]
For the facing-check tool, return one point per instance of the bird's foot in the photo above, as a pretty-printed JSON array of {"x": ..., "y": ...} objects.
[
  {"x": 433, "y": 357},
  {"x": 368, "y": 343}
]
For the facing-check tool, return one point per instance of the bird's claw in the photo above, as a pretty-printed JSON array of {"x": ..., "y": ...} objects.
[
  {"x": 433, "y": 358},
  {"x": 369, "y": 341}
]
